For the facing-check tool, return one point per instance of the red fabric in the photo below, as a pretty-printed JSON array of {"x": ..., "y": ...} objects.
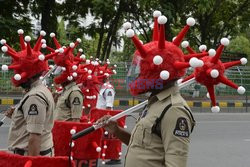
[
  {"x": 114, "y": 148},
  {"x": 83, "y": 149},
  {"x": 13, "y": 160},
  {"x": 114, "y": 145}
]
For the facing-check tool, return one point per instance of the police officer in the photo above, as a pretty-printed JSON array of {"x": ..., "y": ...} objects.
[
  {"x": 161, "y": 137},
  {"x": 106, "y": 96},
  {"x": 32, "y": 119},
  {"x": 69, "y": 103}
]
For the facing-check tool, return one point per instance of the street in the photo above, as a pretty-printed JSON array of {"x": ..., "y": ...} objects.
[{"x": 218, "y": 140}]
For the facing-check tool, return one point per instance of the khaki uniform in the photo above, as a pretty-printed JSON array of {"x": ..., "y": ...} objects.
[
  {"x": 146, "y": 149},
  {"x": 69, "y": 103},
  {"x": 33, "y": 114}
]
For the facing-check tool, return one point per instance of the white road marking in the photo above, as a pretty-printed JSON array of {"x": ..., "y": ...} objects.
[{"x": 248, "y": 140}]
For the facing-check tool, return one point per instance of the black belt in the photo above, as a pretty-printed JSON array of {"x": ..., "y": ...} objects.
[{"x": 21, "y": 151}]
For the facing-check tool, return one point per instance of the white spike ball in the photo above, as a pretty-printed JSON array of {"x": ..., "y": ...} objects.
[
  {"x": 241, "y": 90},
  {"x": 202, "y": 48},
  {"x": 184, "y": 44},
  {"x": 89, "y": 105},
  {"x": 27, "y": 38},
  {"x": 3, "y": 41},
  {"x": 225, "y": 41},
  {"x": 179, "y": 81},
  {"x": 130, "y": 33},
  {"x": 90, "y": 71},
  {"x": 162, "y": 19},
  {"x": 208, "y": 96},
  {"x": 51, "y": 66},
  {"x": 120, "y": 153},
  {"x": 141, "y": 41},
  {"x": 103, "y": 162},
  {"x": 106, "y": 74},
  {"x": 17, "y": 77},
  {"x": 94, "y": 97},
  {"x": 88, "y": 61},
  {"x": 173, "y": 38},
  {"x": 20, "y": 31},
  {"x": 126, "y": 25},
  {"x": 190, "y": 21},
  {"x": 114, "y": 71},
  {"x": 125, "y": 127},
  {"x": 82, "y": 56},
  {"x": 63, "y": 68},
  {"x": 80, "y": 50},
  {"x": 164, "y": 75},
  {"x": 157, "y": 60},
  {"x": 70, "y": 78},
  {"x": 43, "y": 41},
  {"x": 214, "y": 73},
  {"x": 71, "y": 45},
  {"x": 5, "y": 67},
  {"x": 41, "y": 57},
  {"x": 79, "y": 40},
  {"x": 42, "y": 33},
  {"x": 103, "y": 154},
  {"x": 215, "y": 109},
  {"x": 72, "y": 131},
  {"x": 106, "y": 132},
  {"x": 72, "y": 144},
  {"x": 89, "y": 77},
  {"x": 56, "y": 50},
  {"x": 52, "y": 35},
  {"x": 243, "y": 61},
  {"x": 83, "y": 107},
  {"x": 74, "y": 67},
  {"x": 157, "y": 13},
  {"x": 61, "y": 50},
  {"x": 44, "y": 45},
  {"x": 212, "y": 52},
  {"x": 194, "y": 62},
  {"x": 115, "y": 65},
  {"x": 4, "y": 49},
  {"x": 105, "y": 146},
  {"x": 74, "y": 74}
]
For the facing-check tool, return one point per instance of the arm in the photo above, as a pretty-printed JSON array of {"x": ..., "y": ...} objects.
[
  {"x": 34, "y": 114},
  {"x": 34, "y": 144},
  {"x": 76, "y": 101},
  {"x": 175, "y": 137}
]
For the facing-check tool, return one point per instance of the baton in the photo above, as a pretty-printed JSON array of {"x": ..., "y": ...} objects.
[
  {"x": 126, "y": 112},
  {"x": 1, "y": 122},
  {"x": 49, "y": 72}
]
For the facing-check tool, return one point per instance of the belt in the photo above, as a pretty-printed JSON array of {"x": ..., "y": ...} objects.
[{"x": 42, "y": 153}]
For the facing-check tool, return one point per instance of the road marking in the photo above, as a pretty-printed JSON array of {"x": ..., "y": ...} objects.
[
  {"x": 248, "y": 140},
  {"x": 223, "y": 122}
]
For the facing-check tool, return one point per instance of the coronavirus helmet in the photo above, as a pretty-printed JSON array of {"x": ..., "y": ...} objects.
[
  {"x": 159, "y": 61},
  {"x": 212, "y": 72},
  {"x": 28, "y": 62},
  {"x": 66, "y": 60}
]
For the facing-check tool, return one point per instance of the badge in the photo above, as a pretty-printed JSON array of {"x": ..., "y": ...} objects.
[
  {"x": 33, "y": 110},
  {"x": 76, "y": 101},
  {"x": 181, "y": 128},
  {"x": 110, "y": 93}
]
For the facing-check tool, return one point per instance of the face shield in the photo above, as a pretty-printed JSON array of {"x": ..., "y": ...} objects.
[{"x": 134, "y": 70}]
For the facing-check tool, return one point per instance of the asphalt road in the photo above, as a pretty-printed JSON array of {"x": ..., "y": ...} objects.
[{"x": 218, "y": 140}]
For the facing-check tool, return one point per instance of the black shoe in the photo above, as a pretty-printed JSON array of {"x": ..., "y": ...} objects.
[{"x": 113, "y": 162}]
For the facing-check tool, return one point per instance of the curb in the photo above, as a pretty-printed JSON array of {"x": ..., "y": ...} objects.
[{"x": 132, "y": 102}]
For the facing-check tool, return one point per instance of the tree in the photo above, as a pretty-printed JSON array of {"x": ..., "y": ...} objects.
[{"x": 240, "y": 44}]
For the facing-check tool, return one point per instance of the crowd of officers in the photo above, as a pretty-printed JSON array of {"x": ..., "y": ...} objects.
[{"x": 32, "y": 119}]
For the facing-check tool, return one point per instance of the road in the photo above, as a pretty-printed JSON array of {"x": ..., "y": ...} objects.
[{"x": 218, "y": 140}]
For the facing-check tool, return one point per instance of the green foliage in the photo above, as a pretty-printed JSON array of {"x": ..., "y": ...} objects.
[{"x": 240, "y": 44}]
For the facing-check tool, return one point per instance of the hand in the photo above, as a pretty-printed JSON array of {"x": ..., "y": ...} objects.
[
  {"x": 9, "y": 112},
  {"x": 110, "y": 126}
]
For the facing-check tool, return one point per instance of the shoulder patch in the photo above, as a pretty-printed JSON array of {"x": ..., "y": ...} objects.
[
  {"x": 76, "y": 101},
  {"x": 33, "y": 110},
  {"x": 110, "y": 93},
  {"x": 181, "y": 128}
]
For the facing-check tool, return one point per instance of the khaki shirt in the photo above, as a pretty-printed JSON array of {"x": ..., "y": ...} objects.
[
  {"x": 146, "y": 149},
  {"x": 69, "y": 103},
  {"x": 33, "y": 114}
]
